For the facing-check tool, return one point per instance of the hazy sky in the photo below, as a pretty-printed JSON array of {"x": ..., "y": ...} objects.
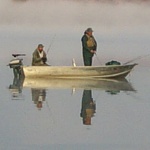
[
  {"x": 68, "y": 14},
  {"x": 122, "y": 29}
]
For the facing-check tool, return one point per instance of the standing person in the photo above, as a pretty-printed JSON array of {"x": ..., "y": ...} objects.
[
  {"x": 88, "y": 107},
  {"x": 89, "y": 46},
  {"x": 39, "y": 57}
]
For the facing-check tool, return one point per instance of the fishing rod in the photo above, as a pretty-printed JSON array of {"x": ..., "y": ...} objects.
[
  {"x": 137, "y": 58},
  {"x": 51, "y": 43},
  {"x": 98, "y": 58},
  {"x": 50, "y": 112}
]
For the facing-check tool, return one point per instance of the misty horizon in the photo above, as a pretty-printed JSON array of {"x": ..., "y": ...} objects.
[{"x": 122, "y": 29}]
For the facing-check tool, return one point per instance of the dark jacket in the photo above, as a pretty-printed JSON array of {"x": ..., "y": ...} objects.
[
  {"x": 86, "y": 49},
  {"x": 87, "y": 103}
]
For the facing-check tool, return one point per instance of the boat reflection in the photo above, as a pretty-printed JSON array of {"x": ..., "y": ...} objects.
[
  {"x": 111, "y": 86},
  {"x": 88, "y": 108},
  {"x": 101, "y": 84},
  {"x": 40, "y": 86}
]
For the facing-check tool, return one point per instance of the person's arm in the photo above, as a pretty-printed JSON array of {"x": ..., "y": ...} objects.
[
  {"x": 44, "y": 58},
  {"x": 95, "y": 45},
  {"x": 36, "y": 58},
  {"x": 84, "y": 43}
]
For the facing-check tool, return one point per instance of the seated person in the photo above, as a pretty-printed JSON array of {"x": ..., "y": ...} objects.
[{"x": 39, "y": 57}]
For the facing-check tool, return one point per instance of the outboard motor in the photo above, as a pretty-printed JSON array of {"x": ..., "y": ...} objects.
[{"x": 16, "y": 64}]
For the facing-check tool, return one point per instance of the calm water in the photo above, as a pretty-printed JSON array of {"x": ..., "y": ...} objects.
[
  {"x": 71, "y": 115},
  {"x": 116, "y": 115}
]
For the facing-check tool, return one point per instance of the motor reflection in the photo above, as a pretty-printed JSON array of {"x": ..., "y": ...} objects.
[
  {"x": 16, "y": 88},
  {"x": 38, "y": 97},
  {"x": 88, "y": 108}
]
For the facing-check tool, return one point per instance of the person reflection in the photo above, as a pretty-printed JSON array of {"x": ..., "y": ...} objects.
[
  {"x": 88, "y": 107},
  {"x": 38, "y": 96}
]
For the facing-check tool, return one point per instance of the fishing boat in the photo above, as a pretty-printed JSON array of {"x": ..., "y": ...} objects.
[
  {"x": 113, "y": 71},
  {"x": 109, "y": 71}
]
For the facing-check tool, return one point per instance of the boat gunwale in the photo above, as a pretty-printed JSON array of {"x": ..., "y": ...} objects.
[{"x": 102, "y": 66}]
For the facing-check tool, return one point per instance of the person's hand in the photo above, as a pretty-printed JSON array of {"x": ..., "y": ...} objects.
[
  {"x": 44, "y": 59},
  {"x": 93, "y": 51}
]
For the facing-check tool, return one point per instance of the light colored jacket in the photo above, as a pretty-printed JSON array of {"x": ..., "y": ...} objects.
[{"x": 37, "y": 60}]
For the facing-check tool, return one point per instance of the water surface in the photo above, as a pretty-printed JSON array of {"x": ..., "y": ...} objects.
[{"x": 42, "y": 115}]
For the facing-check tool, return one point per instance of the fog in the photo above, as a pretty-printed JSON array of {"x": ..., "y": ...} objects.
[
  {"x": 53, "y": 15},
  {"x": 120, "y": 28}
]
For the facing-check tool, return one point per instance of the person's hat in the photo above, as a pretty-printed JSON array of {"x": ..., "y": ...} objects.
[
  {"x": 40, "y": 45},
  {"x": 89, "y": 30}
]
